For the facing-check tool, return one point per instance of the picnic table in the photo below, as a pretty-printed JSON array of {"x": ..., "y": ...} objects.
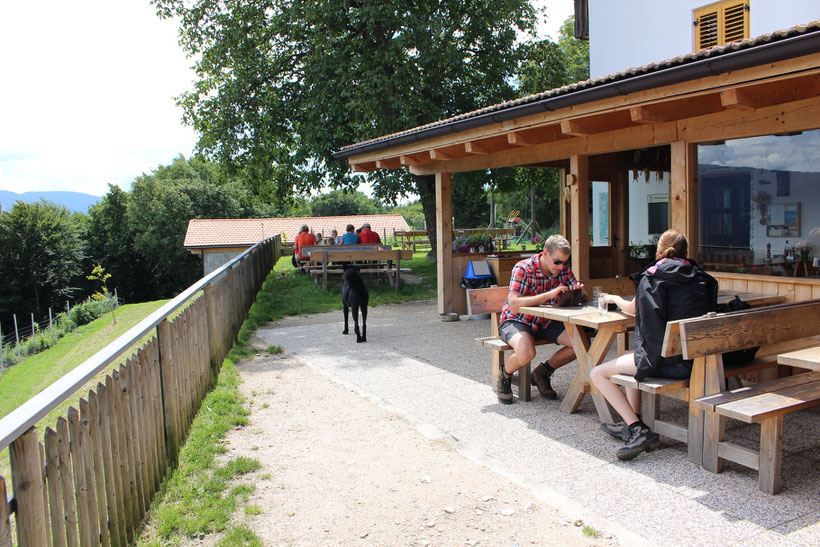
[
  {"x": 808, "y": 358},
  {"x": 377, "y": 261},
  {"x": 608, "y": 325}
]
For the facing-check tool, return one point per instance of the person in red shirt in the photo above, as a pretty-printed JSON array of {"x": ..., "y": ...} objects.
[
  {"x": 368, "y": 236},
  {"x": 304, "y": 239},
  {"x": 534, "y": 281}
]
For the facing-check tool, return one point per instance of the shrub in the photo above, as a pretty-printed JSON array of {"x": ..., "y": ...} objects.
[{"x": 92, "y": 308}]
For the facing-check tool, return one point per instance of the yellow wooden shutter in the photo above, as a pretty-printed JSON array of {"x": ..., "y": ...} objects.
[{"x": 721, "y": 23}]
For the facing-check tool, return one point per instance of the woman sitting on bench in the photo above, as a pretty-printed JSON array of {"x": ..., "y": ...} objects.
[{"x": 673, "y": 288}]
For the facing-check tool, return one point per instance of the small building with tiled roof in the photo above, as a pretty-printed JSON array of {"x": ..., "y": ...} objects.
[{"x": 218, "y": 240}]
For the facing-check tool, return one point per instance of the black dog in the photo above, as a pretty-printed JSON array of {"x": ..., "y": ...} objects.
[{"x": 355, "y": 295}]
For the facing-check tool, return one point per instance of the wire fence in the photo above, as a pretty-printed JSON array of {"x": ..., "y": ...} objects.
[{"x": 30, "y": 337}]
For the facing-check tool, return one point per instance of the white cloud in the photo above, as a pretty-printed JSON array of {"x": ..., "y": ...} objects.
[{"x": 87, "y": 97}]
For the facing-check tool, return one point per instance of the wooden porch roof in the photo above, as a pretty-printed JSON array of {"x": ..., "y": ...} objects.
[{"x": 773, "y": 79}]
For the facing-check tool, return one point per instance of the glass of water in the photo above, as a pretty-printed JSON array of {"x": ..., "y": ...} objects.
[{"x": 602, "y": 303}]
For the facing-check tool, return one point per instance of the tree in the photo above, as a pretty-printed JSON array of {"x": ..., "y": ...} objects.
[
  {"x": 339, "y": 202},
  {"x": 41, "y": 254},
  {"x": 283, "y": 84}
]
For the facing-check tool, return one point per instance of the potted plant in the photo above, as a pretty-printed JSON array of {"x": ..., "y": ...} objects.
[
  {"x": 638, "y": 250},
  {"x": 802, "y": 249}
]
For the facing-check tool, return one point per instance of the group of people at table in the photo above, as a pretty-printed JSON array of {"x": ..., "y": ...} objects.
[
  {"x": 673, "y": 287},
  {"x": 364, "y": 236}
]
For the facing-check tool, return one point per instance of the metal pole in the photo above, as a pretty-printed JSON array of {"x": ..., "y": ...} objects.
[
  {"x": 16, "y": 336},
  {"x": 2, "y": 364},
  {"x": 113, "y": 307},
  {"x": 33, "y": 334},
  {"x": 50, "y": 324}
]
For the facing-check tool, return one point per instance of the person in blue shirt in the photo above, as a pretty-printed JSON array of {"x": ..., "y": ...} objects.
[{"x": 350, "y": 238}]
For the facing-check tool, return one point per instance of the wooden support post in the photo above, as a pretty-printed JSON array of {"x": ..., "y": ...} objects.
[
  {"x": 579, "y": 215},
  {"x": 683, "y": 193},
  {"x": 444, "y": 241},
  {"x": 5, "y": 524},
  {"x": 213, "y": 337},
  {"x": 27, "y": 477},
  {"x": 169, "y": 391}
]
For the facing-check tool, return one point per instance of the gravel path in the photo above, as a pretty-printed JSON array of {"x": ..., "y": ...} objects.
[{"x": 339, "y": 469}]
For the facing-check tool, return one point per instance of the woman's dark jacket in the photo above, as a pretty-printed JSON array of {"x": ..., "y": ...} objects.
[{"x": 668, "y": 290}]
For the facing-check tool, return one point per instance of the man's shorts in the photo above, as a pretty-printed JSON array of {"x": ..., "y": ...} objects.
[{"x": 509, "y": 328}]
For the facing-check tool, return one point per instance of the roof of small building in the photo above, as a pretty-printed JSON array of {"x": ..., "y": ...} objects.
[
  {"x": 622, "y": 75},
  {"x": 240, "y": 232}
]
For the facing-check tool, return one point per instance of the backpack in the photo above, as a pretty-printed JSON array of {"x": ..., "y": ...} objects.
[{"x": 737, "y": 358}]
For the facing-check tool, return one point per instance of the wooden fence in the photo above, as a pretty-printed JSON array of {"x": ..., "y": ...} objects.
[{"x": 92, "y": 479}]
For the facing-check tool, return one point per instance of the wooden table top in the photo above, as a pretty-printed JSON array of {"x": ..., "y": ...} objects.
[
  {"x": 804, "y": 358},
  {"x": 586, "y": 316}
]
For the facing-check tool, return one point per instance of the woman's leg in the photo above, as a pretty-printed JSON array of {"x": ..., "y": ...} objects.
[{"x": 600, "y": 376}]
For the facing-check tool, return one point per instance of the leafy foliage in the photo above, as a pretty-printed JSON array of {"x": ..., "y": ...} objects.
[
  {"x": 283, "y": 84},
  {"x": 338, "y": 203},
  {"x": 41, "y": 254}
]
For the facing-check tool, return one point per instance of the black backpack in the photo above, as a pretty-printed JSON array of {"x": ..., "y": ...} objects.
[{"x": 737, "y": 358}]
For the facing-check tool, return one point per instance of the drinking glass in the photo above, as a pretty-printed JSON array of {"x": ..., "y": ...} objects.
[
  {"x": 596, "y": 296},
  {"x": 602, "y": 304}
]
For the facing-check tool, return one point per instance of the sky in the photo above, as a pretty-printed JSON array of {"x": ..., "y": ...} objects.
[{"x": 87, "y": 92}]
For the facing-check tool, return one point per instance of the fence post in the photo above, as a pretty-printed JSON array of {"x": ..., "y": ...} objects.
[
  {"x": 2, "y": 364},
  {"x": 27, "y": 478},
  {"x": 16, "y": 337},
  {"x": 50, "y": 324},
  {"x": 33, "y": 335},
  {"x": 168, "y": 390},
  {"x": 213, "y": 336}
]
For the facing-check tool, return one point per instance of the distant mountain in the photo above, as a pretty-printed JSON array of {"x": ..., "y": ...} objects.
[{"x": 74, "y": 201}]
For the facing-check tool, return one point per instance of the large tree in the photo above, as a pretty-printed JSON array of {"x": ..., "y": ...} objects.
[
  {"x": 282, "y": 84},
  {"x": 41, "y": 254}
]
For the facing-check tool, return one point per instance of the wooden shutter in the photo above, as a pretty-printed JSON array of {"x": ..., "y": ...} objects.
[{"x": 721, "y": 23}]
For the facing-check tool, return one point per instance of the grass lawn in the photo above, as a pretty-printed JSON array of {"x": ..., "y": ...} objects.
[
  {"x": 296, "y": 294},
  {"x": 33, "y": 374}
]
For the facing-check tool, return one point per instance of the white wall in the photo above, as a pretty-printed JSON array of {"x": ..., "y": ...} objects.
[
  {"x": 639, "y": 191},
  {"x": 631, "y": 33}
]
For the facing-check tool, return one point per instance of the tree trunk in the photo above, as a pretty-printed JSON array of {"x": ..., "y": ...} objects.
[{"x": 426, "y": 189}]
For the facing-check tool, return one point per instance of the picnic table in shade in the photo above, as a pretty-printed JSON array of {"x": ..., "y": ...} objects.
[{"x": 808, "y": 358}]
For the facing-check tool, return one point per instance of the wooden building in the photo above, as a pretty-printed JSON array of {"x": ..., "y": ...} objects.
[{"x": 759, "y": 95}]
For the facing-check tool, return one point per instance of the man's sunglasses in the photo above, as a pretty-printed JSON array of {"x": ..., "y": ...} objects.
[{"x": 561, "y": 262}]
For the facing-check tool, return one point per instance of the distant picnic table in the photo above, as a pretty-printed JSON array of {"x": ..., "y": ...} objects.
[{"x": 381, "y": 261}]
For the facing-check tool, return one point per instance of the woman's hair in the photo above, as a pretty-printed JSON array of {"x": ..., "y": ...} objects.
[{"x": 672, "y": 244}]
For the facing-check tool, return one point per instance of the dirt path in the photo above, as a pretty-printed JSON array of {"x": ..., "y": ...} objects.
[{"x": 338, "y": 469}]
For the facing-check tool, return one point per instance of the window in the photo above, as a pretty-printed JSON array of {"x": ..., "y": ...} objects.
[
  {"x": 759, "y": 211},
  {"x": 721, "y": 23}
]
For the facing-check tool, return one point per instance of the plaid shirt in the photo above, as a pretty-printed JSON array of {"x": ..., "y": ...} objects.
[{"x": 527, "y": 279}]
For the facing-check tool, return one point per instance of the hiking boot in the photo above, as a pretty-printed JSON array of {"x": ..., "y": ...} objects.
[
  {"x": 540, "y": 378},
  {"x": 641, "y": 439},
  {"x": 619, "y": 430},
  {"x": 504, "y": 387}
]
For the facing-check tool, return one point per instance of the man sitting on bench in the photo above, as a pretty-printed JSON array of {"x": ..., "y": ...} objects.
[{"x": 535, "y": 281}]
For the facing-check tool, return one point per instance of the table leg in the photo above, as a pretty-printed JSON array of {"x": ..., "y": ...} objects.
[{"x": 589, "y": 356}]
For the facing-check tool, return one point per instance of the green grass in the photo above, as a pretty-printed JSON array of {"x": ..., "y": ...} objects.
[
  {"x": 591, "y": 532},
  {"x": 35, "y": 373},
  {"x": 297, "y": 294}
]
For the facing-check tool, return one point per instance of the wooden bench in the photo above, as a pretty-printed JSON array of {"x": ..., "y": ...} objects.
[
  {"x": 491, "y": 300},
  {"x": 652, "y": 389},
  {"x": 775, "y": 329}
]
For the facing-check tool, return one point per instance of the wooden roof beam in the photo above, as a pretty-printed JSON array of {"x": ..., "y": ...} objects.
[
  {"x": 388, "y": 163},
  {"x": 414, "y": 159},
  {"x": 472, "y": 148},
  {"x": 537, "y": 135},
  {"x": 772, "y": 93},
  {"x": 363, "y": 167},
  {"x": 676, "y": 110},
  {"x": 590, "y": 125}
]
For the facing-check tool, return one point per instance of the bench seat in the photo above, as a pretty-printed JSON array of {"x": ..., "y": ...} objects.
[{"x": 765, "y": 404}]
